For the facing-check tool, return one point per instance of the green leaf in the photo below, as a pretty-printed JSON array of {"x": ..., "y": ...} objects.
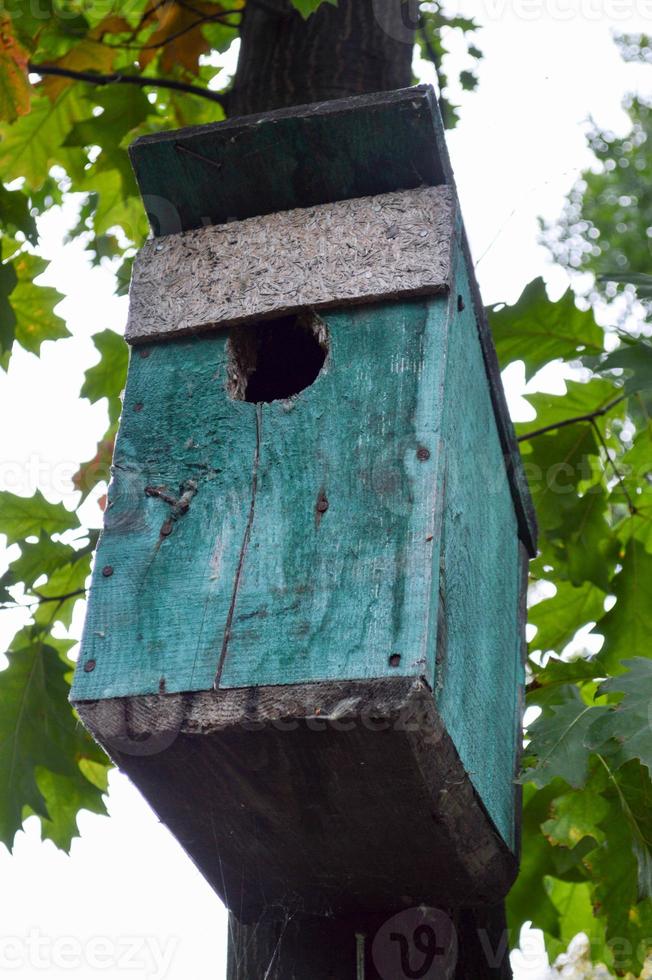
[
  {"x": 536, "y": 331},
  {"x": 308, "y": 7},
  {"x": 22, "y": 517},
  {"x": 64, "y": 798},
  {"x": 636, "y": 360},
  {"x": 558, "y": 619},
  {"x": 107, "y": 378},
  {"x": 37, "y": 731},
  {"x": 555, "y": 465},
  {"x": 575, "y": 908},
  {"x": 36, "y": 559},
  {"x": 574, "y": 816},
  {"x": 64, "y": 587},
  {"x": 34, "y": 143},
  {"x": 614, "y": 870},
  {"x": 124, "y": 109},
  {"x": 557, "y": 743},
  {"x": 8, "y": 280},
  {"x": 15, "y": 213},
  {"x": 579, "y": 399},
  {"x": 34, "y": 306},
  {"x": 627, "y": 627},
  {"x": 585, "y": 544},
  {"x": 625, "y": 731}
]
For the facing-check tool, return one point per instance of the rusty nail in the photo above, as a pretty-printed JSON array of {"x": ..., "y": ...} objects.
[
  {"x": 107, "y": 571},
  {"x": 460, "y": 304},
  {"x": 161, "y": 686},
  {"x": 89, "y": 666},
  {"x": 322, "y": 505},
  {"x": 423, "y": 453},
  {"x": 166, "y": 528},
  {"x": 138, "y": 407},
  {"x": 394, "y": 659},
  {"x": 144, "y": 353}
]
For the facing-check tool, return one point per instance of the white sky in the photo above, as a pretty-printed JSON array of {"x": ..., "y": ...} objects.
[{"x": 547, "y": 67}]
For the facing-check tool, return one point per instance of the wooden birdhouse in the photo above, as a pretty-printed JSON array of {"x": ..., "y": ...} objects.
[{"x": 305, "y": 628}]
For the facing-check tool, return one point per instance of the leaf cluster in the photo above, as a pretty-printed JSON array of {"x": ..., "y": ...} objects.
[{"x": 587, "y": 827}]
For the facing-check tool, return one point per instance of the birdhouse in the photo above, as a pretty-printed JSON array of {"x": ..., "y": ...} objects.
[{"x": 304, "y": 635}]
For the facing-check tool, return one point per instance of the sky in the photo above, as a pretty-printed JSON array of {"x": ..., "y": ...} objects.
[{"x": 127, "y": 901}]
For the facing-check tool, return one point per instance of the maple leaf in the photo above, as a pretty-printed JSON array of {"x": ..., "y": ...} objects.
[{"x": 179, "y": 35}]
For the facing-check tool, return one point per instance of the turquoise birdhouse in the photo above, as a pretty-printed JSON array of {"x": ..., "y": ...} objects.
[{"x": 304, "y": 636}]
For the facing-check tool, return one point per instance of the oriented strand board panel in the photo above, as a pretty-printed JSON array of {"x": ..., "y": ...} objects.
[
  {"x": 479, "y": 671},
  {"x": 252, "y": 579},
  {"x": 290, "y": 158},
  {"x": 353, "y": 251}
]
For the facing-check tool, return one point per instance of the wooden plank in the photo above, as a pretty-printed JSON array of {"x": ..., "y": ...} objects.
[
  {"x": 289, "y": 158},
  {"x": 356, "y": 251},
  {"x": 480, "y": 673},
  {"x": 322, "y": 798},
  {"x": 159, "y": 601}
]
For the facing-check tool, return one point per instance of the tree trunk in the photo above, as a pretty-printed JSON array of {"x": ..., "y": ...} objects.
[
  {"x": 300, "y": 947},
  {"x": 356, "y": 47}
]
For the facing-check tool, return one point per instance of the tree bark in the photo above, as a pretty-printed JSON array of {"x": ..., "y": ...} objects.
[
  {"x": 356, "y": 47},
  {"x": 312, "y": 948}
]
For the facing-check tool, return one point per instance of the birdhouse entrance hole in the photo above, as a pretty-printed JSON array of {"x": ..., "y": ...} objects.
[{"x": 274, "y": 359}]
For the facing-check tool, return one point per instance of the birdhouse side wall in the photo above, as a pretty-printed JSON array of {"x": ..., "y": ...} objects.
[{"x": 479, "y": 664}]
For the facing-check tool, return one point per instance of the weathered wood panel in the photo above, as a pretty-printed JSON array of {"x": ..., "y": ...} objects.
[
  {"x": 480, "y": 671},
  {"x": 289, "y": 158},
  {"x": 357, "y": 251}
]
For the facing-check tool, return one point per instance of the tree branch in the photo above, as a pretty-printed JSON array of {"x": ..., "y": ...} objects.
[
  {"x": 42, "y": 599},
  {"x": 588, "y": 417},
  {"x": 117, "y": 78},
  {"x": 206, "y": 19},
  {"x": 617, "y": 473}
]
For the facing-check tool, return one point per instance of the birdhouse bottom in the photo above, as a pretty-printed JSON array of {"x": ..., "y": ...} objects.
[{"x": 304, "y": 636}]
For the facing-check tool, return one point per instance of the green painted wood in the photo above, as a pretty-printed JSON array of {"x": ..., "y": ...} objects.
[
  {"x": 289, "y": 158},
  {"x": 155, "y": 622},
  {"x": 336, "y": 595},
  {"x": 479, "y": 671},
  {"x": 278, "y": 593}
]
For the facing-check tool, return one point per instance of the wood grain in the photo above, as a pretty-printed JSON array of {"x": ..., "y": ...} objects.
[{"x": 355, "y": 251}]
